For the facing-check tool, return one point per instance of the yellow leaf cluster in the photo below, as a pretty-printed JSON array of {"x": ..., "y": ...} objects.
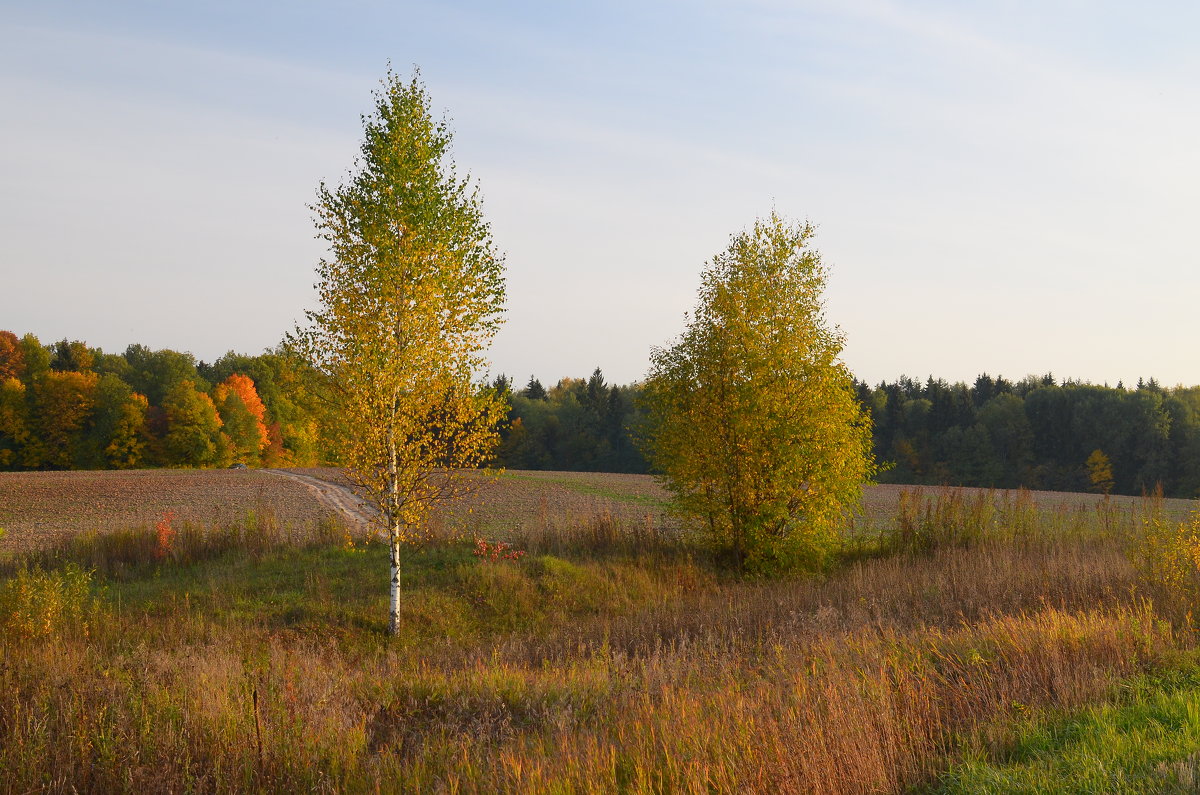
[
  {"x": 753, "y": 420},
  {"x": 410, "y": 298}
]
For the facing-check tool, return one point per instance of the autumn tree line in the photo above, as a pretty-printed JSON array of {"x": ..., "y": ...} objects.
[
  {"x": 66, "y": 405},
  {"x": 69, "y": 406}
]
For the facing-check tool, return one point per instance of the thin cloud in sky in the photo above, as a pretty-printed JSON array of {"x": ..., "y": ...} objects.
[{"x": 997, "y": 188}]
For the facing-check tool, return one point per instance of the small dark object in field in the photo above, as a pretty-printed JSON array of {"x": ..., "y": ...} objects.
[{"x": 238, "y": 466}]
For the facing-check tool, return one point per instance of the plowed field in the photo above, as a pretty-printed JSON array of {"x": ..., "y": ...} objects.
[{"x": 523, "y": 500}]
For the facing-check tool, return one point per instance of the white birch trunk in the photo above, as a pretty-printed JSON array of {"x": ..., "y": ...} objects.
[
  {"x": 394, "y": 611},
  {"x": 394, "y": 538}
]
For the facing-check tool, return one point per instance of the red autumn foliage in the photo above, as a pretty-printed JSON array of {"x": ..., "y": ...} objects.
[
  {"x": 165, "y": 535},
  {"x": 500, "y": 550},
  {"x": 243, "y": 387},
  {"x": 275, "y": 454}
]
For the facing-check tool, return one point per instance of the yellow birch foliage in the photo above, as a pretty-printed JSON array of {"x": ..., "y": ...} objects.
[
  {"x": 410, "y": 299},
  {"x": 753, "y": 419}
]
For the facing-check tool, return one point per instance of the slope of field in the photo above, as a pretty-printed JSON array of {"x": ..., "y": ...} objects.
[{"x": 37, "y": 507}]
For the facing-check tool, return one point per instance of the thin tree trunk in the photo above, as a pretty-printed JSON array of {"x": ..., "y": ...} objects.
[
  {"x": 394, "y": 612},
  {"x": 394, "y": 537}
]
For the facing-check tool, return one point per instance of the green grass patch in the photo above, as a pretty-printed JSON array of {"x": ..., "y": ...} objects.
[
  {"x": 448, "y": 593},
  {"x": 1145, "y": 740}
]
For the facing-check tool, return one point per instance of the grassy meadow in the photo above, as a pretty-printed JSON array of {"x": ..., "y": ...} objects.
[{"x": 562, "y": 634}]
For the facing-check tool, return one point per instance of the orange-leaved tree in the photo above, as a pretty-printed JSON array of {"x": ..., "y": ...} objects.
[
  {"x": 12, "y": 357},
  {"x": 243, "y": 415}
]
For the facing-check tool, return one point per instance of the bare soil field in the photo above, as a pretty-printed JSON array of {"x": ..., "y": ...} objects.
[
  {"x": 528, "y": 500},
  {"x": 38, "y": 507}
]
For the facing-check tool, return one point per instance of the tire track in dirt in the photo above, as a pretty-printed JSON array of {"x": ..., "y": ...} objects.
[{"x": 336, "y": 498}]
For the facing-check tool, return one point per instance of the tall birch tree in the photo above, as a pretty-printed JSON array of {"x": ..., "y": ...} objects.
[{"x": 410, "y": 297}]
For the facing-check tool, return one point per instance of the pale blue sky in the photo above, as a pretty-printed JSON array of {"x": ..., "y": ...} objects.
[{"x": 1001, "y": 187}]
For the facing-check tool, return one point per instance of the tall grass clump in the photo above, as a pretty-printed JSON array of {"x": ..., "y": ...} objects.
[
  {"x": 962, "y": 518},
  {"x": 39, "y": 603},
  {"x": 1166, "y": 554}
]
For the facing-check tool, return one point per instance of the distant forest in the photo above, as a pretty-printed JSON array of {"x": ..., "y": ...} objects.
[
  {"x": 69, "y": 406},
  {"x": 1035, "y": 433},
  {"x": 1038, "y": 433}
]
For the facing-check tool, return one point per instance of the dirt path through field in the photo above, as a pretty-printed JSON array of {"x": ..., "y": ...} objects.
[{"x": 337, "y": 498}]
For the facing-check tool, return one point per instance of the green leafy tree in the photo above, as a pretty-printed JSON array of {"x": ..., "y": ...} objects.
[
  {"x": 15, "y": 430},
  {"x": 117, "y": 436},
  {"x": 63, "y": 404},
  {"x": 154, "y": 373},
  {"x": 410, "y": 298},
  {"x": 72, "y": 355},
  {"x": 36, "y": 358},
  {"x": 753, "y": 421},
  {"x": 193, "y": 435},
  {"x": 1012, "y": 440},
  {"x": 296, "y": 436}
]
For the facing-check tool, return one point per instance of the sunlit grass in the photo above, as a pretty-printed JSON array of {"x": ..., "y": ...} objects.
[
  {"x": 1146, "y": 739},
  {"x": 579, "y": 666}
]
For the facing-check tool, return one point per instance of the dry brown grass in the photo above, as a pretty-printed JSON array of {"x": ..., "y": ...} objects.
[
  {"x": 650, "y": 674},
  {"x": 834, "y": 686}
]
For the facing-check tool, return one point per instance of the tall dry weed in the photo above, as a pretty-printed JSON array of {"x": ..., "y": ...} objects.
[{"x": 118, "y": 553}]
